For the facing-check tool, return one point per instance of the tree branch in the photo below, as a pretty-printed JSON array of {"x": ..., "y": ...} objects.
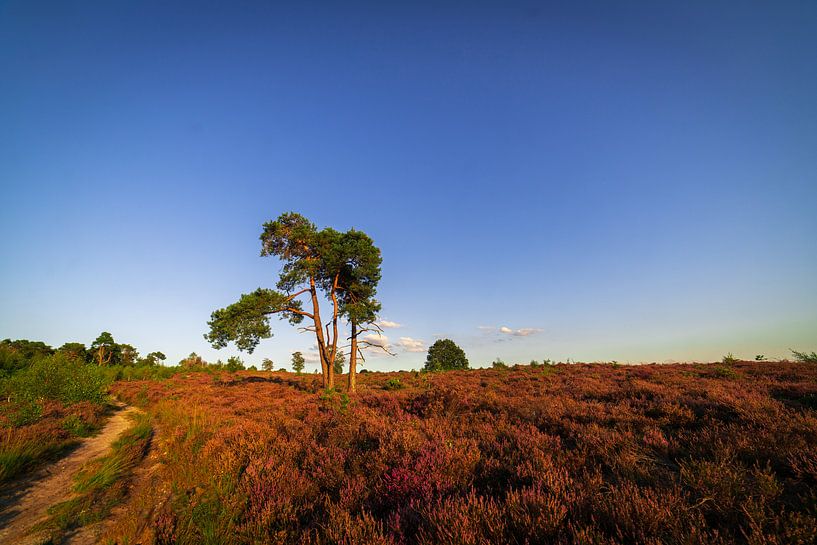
[
  {"x": 296, "y": 311},
  {"x": 294, "y": 295}
]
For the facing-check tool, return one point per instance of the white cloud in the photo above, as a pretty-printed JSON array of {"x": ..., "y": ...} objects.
[
  {"x": 387, "y": 324},
  {"x": 312, "y": 355},
  {"x": 411, "y": 345},
  {"x": 376, "y": 340},
  {"x": 522, "y": 332}
]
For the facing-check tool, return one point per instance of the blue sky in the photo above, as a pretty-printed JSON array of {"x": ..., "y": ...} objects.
[{"x": 599, "y": 181}]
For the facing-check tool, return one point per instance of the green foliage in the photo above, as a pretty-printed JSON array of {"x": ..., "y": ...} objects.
[
  {"x": 298, "y": 362},
  {"x": 22, "y": 411},
  {"x": 16, "y": 355},
  {"x": 234, "y": 364},
  {"x": 75, "y": 425},
  {"x": 146, "y": 372},
  {"x": 128, "y": 355},
  {"x": 760, "y": 357},
  {"x": 247, "y": 321},
  {"x": 393, "y": 384},
  {"x": 330, "y": 398},
  {"x": 729, "y": 359},
  {"x": 721, "y": 371},
  {"x": 345, "y": 266},
  {"x": 805, "y": 357},
  {"x": 340, "y": 359},
  {"x": 75, "y": 351},
  {"x": 267, "y": 364},
  {"x": 104, "y": 350},
  {"x": 356, "y": 261},
  {"x": 445, "y": 355},
  {"x": 57, "y": 377},
  {"x": 152, "y": 359},
  {"x": 499, "y": 364},
  {"x": 193, "y": 361}
]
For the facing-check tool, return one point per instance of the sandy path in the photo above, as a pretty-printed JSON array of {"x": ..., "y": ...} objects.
[{"x": 25, "y": 503}]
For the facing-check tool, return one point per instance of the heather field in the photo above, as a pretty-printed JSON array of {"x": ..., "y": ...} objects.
[{"x": 602, "y": 454}]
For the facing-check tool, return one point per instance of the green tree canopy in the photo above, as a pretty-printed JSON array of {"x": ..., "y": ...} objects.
[
  {"x": 445, "y": 355},
  {"x": 234, "y": 363},
  {"x": 104, "y": 350},
  {"x": 298, "y": 362},
  {"x": 153, "y": 358},
  {"x": 340, "y": 359},
  {"x": 127, "y": 354},
  {"x": 343, "y": 267},
  {"x": 75, "y": 351}
]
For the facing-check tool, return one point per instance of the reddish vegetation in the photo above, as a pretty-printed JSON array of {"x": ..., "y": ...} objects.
[
  {"x": 23, "y": 448},
  {"x": 568, "y": 454}
]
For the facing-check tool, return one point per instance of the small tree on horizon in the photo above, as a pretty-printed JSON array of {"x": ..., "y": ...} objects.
[
  {"x": 193, "y": 360},
  {"x": 153, "y": 359},
  {"x": 340, "y": 359},
  {"x": 267, "y": 364},
  {"x": 445, "y": 355},
  {"x": 234, "y": 363},
  {"x": 298, "y": 362},
  {"x": 103, "y": 349}
]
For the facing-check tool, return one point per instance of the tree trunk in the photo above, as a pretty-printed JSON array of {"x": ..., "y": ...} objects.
[
  {"x": 316, "y": 317},
  {"x": 334, "y": 350},
  {"x": 353, "y": 360}
]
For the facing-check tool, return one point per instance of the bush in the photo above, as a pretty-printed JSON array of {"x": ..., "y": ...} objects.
[
  {"x": 729, "y": 359},
  {"x": 805, "y": 357},
  {"x": 724, "y": 372},
  {"x": 234, "y": 364},
  {"x": 499, "y": 364},
  {"x": 59, "y": 378},
  {"x": 393, "y": 384}
]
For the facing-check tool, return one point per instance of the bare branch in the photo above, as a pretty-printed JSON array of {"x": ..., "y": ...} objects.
[{"x": 376, "y": 345}]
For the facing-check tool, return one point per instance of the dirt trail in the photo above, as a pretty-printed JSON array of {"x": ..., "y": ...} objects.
[{"x": 25, "y": 503}]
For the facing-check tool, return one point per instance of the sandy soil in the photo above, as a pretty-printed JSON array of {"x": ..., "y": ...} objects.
[{"x": 25, "y": 503}]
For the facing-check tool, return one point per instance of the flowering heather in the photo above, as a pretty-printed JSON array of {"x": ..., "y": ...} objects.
[{"x": 558, "y": 454}]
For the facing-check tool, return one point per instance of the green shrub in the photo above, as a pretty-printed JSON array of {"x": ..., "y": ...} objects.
[
  {"x": 59, "y": 378},
  {"x": 805, "y": 357},
  {"x": 729, "y": 359},
  {"x": 725, "y": 372},
  {"x": 234, "y": 364},
  {"x": 23, "y": 412},
  {"x": 393, "y": 384},
  {"x": 499, "y": 364},
  {"x": 75, "y": 425}
]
